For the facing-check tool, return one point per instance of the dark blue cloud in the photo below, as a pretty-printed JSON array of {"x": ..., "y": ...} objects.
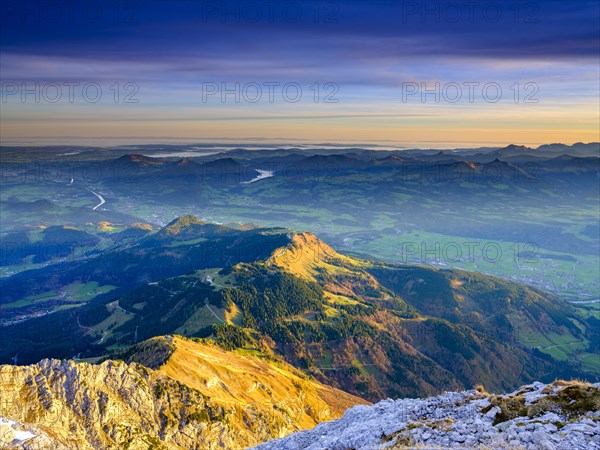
[{"x": 304, "y": 30}]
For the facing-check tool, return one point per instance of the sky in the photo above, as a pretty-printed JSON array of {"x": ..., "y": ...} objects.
[{"x": 415, "y": 73}]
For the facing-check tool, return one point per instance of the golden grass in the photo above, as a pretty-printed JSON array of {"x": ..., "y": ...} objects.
[
  {"x": 233, "y": 379},
  {"x": 234, "y": 316},
  {"x": 306, "y": 254}
]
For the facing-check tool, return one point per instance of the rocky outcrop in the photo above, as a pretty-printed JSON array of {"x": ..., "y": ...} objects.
[
  {"x": 17, "y": 435},
  {"x": 84, "y": 406},
  {"x": 562, "y": 415}
]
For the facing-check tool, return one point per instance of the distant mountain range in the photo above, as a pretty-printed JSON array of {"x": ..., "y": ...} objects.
[{"x": 258, "y": 151}]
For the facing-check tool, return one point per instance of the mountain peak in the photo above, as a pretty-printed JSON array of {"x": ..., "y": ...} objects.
[
  {"x": 393, "y": 158},
  {"x": 223, "y": 162},
  {"x": 178, "y": 224},
  {"x": 304, "y": 255},
  {"x": 185, "y": 161},
  {"x": 516, "y": 148},
  {"x": 134, "y": 158},
  {"x": 309, "y": 258}
]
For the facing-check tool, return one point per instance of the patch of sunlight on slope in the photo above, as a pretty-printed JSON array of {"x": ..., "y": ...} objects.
[
  {"x": 339, "y": 299},
  {"x": 234, "y": 316},
  {"x": 230, "y": 378}
]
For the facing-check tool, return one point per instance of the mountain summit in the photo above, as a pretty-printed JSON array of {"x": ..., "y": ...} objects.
[{"x": 559, "y": 416}]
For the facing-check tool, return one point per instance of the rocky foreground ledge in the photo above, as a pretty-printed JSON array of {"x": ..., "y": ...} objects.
[{"x": 561, "y": 415}]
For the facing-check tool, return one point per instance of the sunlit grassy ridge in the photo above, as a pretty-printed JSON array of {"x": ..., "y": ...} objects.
[{"x": 239, "y": 379}]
